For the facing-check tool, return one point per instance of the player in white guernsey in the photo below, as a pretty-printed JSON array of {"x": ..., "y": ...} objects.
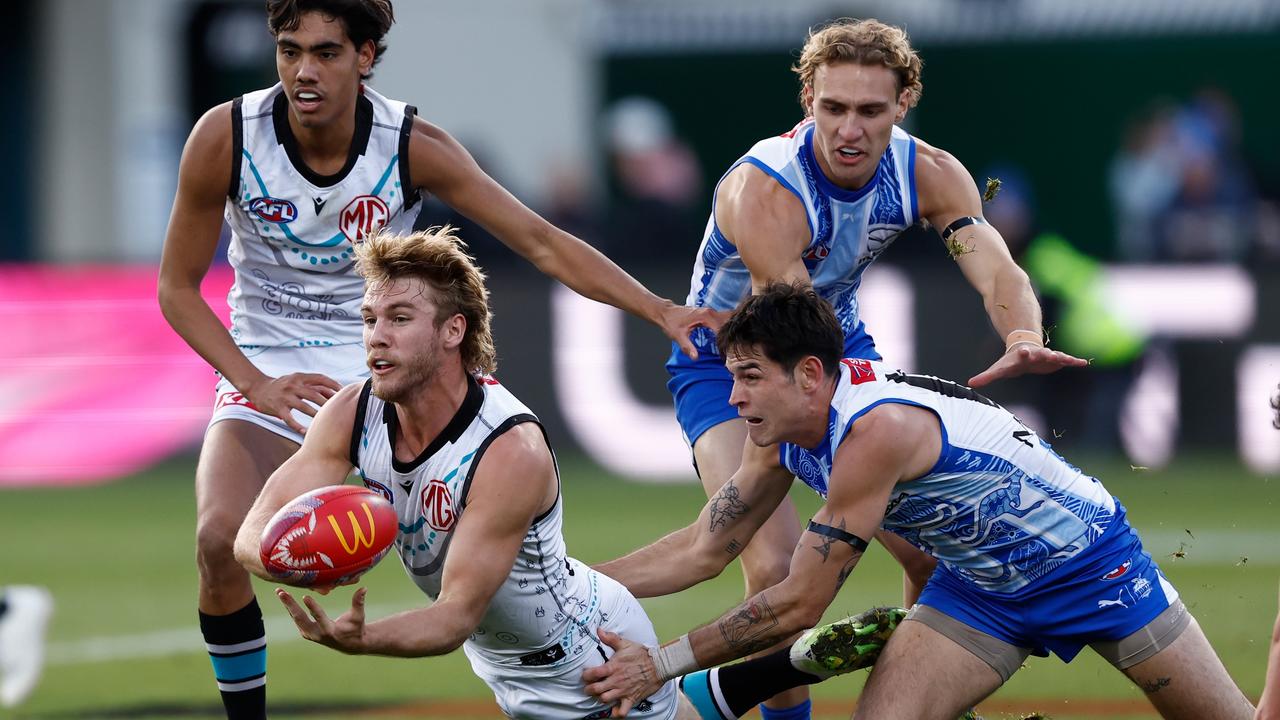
[
  {"x": 473, "y": 479},
  {"x": 1033, "y": 555},
  {"x": 819, "y": 204},
  {"x": 302, "y": 172}
]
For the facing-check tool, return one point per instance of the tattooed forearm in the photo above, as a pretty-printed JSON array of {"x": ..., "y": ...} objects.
[
  {"x": 848, "y": 568},
  {"x": 734, "y": 547},
  {"x": 1154, "y": 686},
  {"x": 750, "y": 627},
  {"x": 726, "y": 506}
]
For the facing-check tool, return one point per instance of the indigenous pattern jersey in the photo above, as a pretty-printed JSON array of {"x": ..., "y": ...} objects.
[
  {"x": 549, "y": 598},
  {"x": 292, "y": 230},
  {"x": 1000, "y": 508},
  {"x": 848, "y": 228}
]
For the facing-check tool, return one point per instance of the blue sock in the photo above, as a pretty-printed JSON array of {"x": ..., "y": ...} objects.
[
  {"x": 237, "y": 645},
  {"x": 697, "y": 686},
  {"x": 795, "y": 712}
]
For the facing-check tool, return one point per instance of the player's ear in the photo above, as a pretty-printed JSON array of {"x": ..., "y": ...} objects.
[
  {"x": 904, "y": 104},
  {"x": 809, "y": 373},
  {"x": 364, "y": 57},
  {"x": 454, "y": 330}
]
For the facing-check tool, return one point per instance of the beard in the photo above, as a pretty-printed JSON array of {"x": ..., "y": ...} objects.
[{"x": 408, "y": 380}]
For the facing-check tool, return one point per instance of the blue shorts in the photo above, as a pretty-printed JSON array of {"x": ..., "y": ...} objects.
[
  {"x": 700, "y": 388},
  {"x": 1108, "y": 592}
]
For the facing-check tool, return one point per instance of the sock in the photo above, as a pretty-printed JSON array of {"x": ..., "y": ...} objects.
[
  {"x": 795, "y": 712},
  {"x": 749, "y": 683},
  {"x": 237, "y": 646},
  {"x": 4, "y": 605}
]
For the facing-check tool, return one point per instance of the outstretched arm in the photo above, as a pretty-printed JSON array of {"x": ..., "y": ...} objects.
[
  {"x": 322, "y": 460},
  {"x": 442, "y": 166},
  {"x": 888, "y": 444},
  {"x": 501, "y": 505},
  {"x": 726, "y": 524},
  {"x": 948, "y": 194}
]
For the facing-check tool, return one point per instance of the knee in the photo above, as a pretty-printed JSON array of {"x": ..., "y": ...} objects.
[{"x": 215, "y": 541}]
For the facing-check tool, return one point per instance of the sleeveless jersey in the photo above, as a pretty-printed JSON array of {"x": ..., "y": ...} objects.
[
  {"x": 548, "y": 598},
  {"x": 1000, "y": 508},
  {"x": 848, "y": 228},
  {"x": 292, "y": 230}
]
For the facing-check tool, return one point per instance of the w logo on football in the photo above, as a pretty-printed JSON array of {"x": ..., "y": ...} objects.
[
  {"x": 437, "y": 506},
  {"x": 362, "y": 217}
]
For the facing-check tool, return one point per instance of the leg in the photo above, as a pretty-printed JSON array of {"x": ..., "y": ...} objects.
[
  {"x": 923, "y": 674},
  {"x": 1184, "y": 678},
  {"x": 767, "y": 558},
  {"x": 235, "y": 461}
]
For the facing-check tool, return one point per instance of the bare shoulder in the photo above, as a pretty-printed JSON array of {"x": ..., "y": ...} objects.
[
  {"x": 517, "y": 469},
  {"x": 434, "y": 155},
  {"x": 212, "y": 132},
  {"x": 749, "y": 198},
  {"x": 522, "y": 446},
  {"x": 946, "y": 189},
  {"x": 206, "y": 159}
]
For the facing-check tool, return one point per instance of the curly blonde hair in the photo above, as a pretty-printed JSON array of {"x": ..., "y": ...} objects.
[
  {"x": 867, "y": 42},
  {"x": 438, "y": 257}
]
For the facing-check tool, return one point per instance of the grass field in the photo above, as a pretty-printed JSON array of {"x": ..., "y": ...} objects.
[{"x": 124, "y": 643}]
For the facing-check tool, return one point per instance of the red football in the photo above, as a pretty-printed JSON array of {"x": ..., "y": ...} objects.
[{"x": 328, "y": 536}]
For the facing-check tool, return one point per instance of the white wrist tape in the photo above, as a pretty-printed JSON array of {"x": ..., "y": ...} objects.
[
  {"x": 1027, "y": 337},
  {"x": 674, "y": 660}
]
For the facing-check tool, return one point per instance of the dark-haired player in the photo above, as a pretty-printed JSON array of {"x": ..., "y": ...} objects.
[{"x": 301, "y": 172}]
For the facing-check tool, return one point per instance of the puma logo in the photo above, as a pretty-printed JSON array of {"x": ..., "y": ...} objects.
[{"x": 1121, "y": 597}]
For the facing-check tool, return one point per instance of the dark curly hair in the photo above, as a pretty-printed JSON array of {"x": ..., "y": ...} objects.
[
  {"x": 788, "y": 323},
  {"x": 364, "y": 20}
]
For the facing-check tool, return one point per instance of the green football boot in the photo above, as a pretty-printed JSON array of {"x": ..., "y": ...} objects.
[{"x": 845, "y": 645}]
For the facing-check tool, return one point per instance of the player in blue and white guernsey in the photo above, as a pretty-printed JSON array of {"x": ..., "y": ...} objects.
[
  {"x": 471, "y": 475},
  {"x": 819, "y": 204},
  {"x": 1033, "y": 555},
  {"x": 302, "y": 172}
]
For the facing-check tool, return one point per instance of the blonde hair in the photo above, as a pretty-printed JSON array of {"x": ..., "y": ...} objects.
[
  {"x": 867, "y": 42},
  {"x": 437, "y": 257}
]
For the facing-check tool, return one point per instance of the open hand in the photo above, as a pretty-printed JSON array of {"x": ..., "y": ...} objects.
[
  {"x": 678, "y": 321},
  {"x": 346, "y": 634},
  {"x": 1022, "y": 359},
  {"x": 304, "y": 392}
]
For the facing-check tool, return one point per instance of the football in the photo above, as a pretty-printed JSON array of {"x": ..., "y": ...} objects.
[{"x": 328, "y": 536}]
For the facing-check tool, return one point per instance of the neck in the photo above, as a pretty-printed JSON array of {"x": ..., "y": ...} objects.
[
  {"x": 815, "y": 429},
  {"x": 425, "y": 414},
  {"x": 319, "y": 143}
]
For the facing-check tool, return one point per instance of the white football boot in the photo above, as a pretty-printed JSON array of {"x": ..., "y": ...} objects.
[{"x": 22, "y": 629}]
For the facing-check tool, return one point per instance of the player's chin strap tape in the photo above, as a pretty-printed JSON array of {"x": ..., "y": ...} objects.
[
  {"x": 837, "y": 534},
  {"x": 960, "y": 223}
]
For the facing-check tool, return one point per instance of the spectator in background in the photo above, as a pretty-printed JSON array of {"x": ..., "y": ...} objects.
[
  {"x": 658, "y": 182},
  {"x": 1082, "y": 403},
  {"x": 1179, "y": 187}
]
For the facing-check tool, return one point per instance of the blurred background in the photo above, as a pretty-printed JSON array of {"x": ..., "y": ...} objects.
[{"x": 1139, "y": 157}]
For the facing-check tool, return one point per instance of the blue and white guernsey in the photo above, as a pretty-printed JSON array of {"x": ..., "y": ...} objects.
[
  {"x": 292, "y": 230},
  {"x": 1000, "y": 508},
  {"x": 848, "y": 228},
  {"x": 549, "y": 601}
]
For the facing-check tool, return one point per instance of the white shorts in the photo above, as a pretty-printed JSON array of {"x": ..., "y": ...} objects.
[
  {"x": 343, "y": 363},
  {"x": 558, "y": 693}
]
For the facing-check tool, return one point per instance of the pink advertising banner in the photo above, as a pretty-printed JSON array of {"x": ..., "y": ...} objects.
[{"x": 94, "y": 384}]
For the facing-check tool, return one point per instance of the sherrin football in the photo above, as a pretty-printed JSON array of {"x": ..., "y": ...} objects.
[{"x": 328, "y": 536}]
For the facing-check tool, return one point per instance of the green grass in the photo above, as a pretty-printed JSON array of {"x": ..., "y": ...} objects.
[{"x": 118, "y": 559}]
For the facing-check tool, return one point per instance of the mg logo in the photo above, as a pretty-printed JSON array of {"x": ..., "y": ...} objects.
[
  {"x": 437, "y": 506},
  {"x": 362, "y": 217}
]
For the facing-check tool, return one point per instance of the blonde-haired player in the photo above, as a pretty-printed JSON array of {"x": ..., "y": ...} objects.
[{"x": 471, "y": 475}]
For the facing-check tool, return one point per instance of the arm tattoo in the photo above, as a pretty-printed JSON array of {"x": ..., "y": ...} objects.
[
  {"x": 726, "y": 506},
  {"x": 846, "y": 570},
  {"x": 750, "y": 627},
  {"x": 1156, "y": 685},
  {"x": 824, "y": 546},
  {"x": 734, "y": 547}
]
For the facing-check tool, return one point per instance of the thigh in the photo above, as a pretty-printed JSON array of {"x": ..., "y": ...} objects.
[
  {"x": 1187, "y": 680},
  {"x": 235, "y": 461},
  {"x": 924, "y": 675}
]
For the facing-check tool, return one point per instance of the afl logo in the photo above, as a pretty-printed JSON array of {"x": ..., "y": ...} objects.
[
  {"x": 274, "y": 210},
  {"x": 1118, "y": 572},
  {"x": 437, "y": 506},
  {"x": 362, "y": 217}
]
